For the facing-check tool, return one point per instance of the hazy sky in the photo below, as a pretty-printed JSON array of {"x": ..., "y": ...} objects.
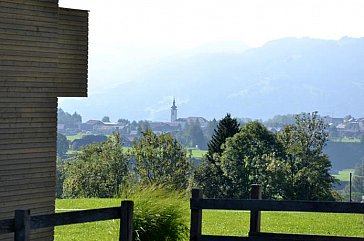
[
  {"x": 124, "y": 35},
  {"x": 190, "y": 23}
]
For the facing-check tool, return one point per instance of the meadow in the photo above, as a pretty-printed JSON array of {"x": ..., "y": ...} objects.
[
  {"x": 74, "y": 137},
  {"x": 354, "y": 140},
  {"x": 195, "y": 152},
  {"x": 215, "y": 222},
  {"x": 344, "y": 175}
]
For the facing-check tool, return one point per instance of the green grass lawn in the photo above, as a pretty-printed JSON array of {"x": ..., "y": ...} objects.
[
  {"x": 344, "y": 175},
  {"x": 234, "y": 223},
  {"x": 196, "y": 153},
  {"x": 346, "y": 140},
  {"x": 71, "y": 152},
  {"x": 74, "y": 137}
]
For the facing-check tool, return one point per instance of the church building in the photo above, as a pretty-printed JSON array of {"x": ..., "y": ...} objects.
[{"x": 174, "y": 111}]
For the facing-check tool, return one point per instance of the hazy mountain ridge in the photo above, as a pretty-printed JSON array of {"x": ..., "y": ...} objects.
[{"x": 284, "y": 76}]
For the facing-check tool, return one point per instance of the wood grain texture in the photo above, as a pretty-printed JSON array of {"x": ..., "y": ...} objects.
[
  {"x": 255, "y": 205},
  {"x": 272, "y": 205},
  {"x": 43, "y": 55}
]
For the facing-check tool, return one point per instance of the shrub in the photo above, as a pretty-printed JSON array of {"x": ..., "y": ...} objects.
[
  {"x": 98, "y": 170},
  {"x": 159, "y": 214}
]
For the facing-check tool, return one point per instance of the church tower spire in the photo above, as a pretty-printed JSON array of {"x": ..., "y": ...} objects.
[{"x": 174, "y": 111}]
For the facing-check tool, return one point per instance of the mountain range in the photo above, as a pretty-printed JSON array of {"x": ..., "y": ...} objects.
[{"x": 290, "y": 75}]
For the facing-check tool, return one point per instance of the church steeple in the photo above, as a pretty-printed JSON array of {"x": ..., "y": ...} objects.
[{"x": 174, "y": 111}]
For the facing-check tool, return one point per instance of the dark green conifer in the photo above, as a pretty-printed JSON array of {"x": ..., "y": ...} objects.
[
  {"x": 226, "y": 128},
  {"x": 209, "y": 175}
]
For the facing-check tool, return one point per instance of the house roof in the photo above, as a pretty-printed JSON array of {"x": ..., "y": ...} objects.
[{"x": 94, "y": 122}]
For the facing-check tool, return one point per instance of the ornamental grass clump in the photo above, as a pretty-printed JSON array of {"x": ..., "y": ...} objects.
[{"x": 159, "y": 215}]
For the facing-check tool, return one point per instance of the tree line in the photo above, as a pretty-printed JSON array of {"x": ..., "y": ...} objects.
[
  {"x": 289, "y": 163},
  {"x": 105, "y": 169}
]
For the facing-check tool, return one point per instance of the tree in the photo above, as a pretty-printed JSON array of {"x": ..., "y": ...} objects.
[
  {"x": 183, "y": 136},
  {"x": 192, "y": 136},
  {"x": 105, "y": 119},
  {"x": 227, "y": 127},
  {"x": 362, "y": 140},
  {"x": 62, "y": 145},
  {"x": 196, "y": 136},
  {"x": 358, "y": 180},
  {"x": 59, "y": 177},
  {"x": 161, "y": 160},
  {"x": 87, "y": 140},
  {"x": 123, "y": 121},
  {"x": 98, "y": 170},
  {"x": 209, "y": 175},
  {"x": 307, "y": 167},
  {"x": 70, "y": 121},
  {"x": 281, "y": 120},
  {"x": 209, "y": 131},
  {"x": 143, "y": 126},
  {"x": 246, "y": 159},
  {"x": 133, "y": 125},
  {"x": 76, "y": 118}
]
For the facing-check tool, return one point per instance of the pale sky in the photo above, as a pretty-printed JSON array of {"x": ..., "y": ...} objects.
[
  {"x": 191, "y": 23},
  {"x": 127, "y": 34}
]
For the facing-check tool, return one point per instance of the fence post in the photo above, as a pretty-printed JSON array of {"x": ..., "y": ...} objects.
[
  {"x": 196, "y": 217},
  {"x": 255, "y": 193},
  {"x": 22, "y": 225},
  {"x": 126, "y": 221}
]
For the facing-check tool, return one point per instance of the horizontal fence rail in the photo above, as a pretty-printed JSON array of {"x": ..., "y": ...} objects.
[
  {"x": 303, "y": 237},
  {"x": 7, "y": 226},
  {"x": 273, "y": 205},
  {"x": 255, "y": 205},
  {"x": 23, "y": 223},
  {"x": 58, "y": 219}
]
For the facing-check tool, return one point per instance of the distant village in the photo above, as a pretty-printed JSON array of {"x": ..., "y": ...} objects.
[
  {"x": 128, "y": 130},
  {"x": 339, "y": 128},
  {"x": 347, "y": 127}
]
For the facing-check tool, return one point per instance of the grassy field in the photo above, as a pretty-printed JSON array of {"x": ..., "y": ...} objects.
[
  {"x": 344, "y": 175},
  {"x": 356, "y": 140},
  {"x": 196, "y": 153},
  {"x": 234, "y": 223},
  {"x": 74, "y": 137}
]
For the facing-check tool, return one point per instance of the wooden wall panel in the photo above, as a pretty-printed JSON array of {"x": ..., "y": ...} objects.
[
  {"x": 43, "y": 55},
  {"x": 73, "y": 31}
]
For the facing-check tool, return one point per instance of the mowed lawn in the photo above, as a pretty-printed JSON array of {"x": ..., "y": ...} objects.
[
  {"x": 344, "y": 175},
  {"x": 215, "y": 222},
  {"x": 195, "y": 153}
]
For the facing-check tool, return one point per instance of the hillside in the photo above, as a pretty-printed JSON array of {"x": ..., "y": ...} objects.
[
  {"x": 284, "y": 76},
  {"x": 344, "y": 155}
]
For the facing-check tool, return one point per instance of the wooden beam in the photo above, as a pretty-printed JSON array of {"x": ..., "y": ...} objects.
[
  {"x": 57, "y": 219},
  {"x": 126, "y": 221},
  {"x": 273, "y": 205},
  {"x": 303, "y": 237},
  {"x": 196, "y": 216},
  {"x": 22, "y": 225}
]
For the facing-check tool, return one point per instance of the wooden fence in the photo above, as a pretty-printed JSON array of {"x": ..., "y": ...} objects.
[
  {"x": 255, "y": 205},
  {"x": 23, "y": 222}
]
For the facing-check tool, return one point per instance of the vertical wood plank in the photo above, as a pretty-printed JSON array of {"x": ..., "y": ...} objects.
[
  {"x": 22, "y": 225},
  {"x": 44, "y": 52},
  {"x": 255, "y": 216},
  {"x": 126, "y": 221},
  {"x": 350, "y": 184},
  {"x": 196, "y": 217}
]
